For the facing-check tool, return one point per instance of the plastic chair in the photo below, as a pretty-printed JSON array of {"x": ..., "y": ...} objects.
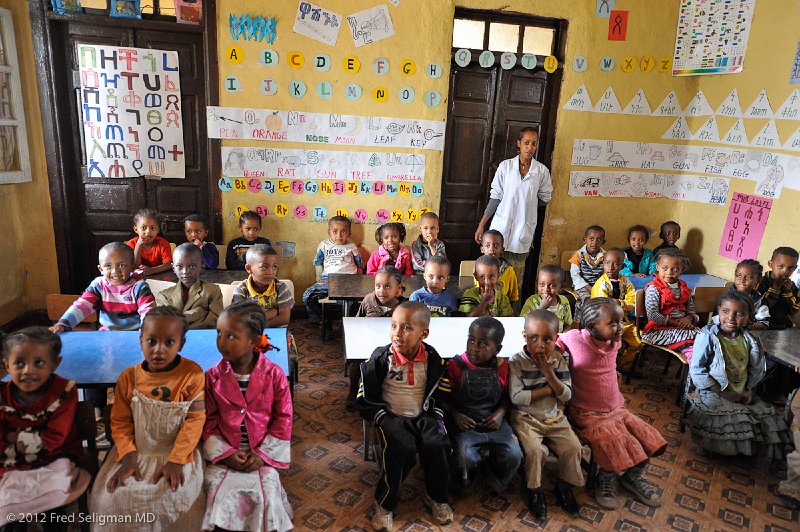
[
  {"x": 466, "y": 268},
  {"x": 57, "y": 305},
  {"x": 157, "y": 286},
  {"x": 223, "y": 255}
]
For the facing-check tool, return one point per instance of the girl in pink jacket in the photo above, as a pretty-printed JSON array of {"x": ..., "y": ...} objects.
[
  {"x": 248, "y": 428},
  {"x": 391, "y": 251}
]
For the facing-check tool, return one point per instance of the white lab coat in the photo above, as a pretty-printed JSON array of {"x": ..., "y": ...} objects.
[{"x": 519, "y": 202}]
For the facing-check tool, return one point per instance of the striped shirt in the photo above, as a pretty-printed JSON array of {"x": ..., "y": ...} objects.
[
  {"x": 119, "y": 308},
  {"x": 277, "y": 295},
  {"x": 585, "y": 269},
  {"x": 527, "y": 377},
  {"x": 243, "y": 380}
]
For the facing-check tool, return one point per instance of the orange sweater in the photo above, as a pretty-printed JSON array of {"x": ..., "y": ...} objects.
[{"x": 183, "y": 383}]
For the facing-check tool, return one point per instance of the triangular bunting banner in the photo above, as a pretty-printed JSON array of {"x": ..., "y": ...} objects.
[
  {"x": 608, "y": 103},
  {"x": 679, "y": 130},
  {"x": 730, "y": 107},
  {"x": 670, "y": 106},
  {"x": 790, "y": 110},
  {"x": 736, "y": 134},
  {"x": 580, "y": 100},
  {"x": 708, "y": 132},
  {"x": 767, "y": 137},
  {"x": 638, "y": 105},
  {"x": 698, "y": 106},
  {"x": 760, "y": 107},
  {"x": 793, "y": 142}
]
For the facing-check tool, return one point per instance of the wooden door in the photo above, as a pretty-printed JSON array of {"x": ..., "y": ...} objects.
[{"x": 91, "y": 211}]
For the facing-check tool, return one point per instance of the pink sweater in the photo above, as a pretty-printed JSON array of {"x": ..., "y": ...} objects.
[
  {"x": 593, "y": 367},
  {"x": 380, "y": 258}
]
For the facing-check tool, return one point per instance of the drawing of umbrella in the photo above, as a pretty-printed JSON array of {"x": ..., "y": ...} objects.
[{"x": 413, "y": 161}]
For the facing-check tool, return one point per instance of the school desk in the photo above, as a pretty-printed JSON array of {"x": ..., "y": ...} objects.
[
  {"x": 692, "y": 280},
  {"x": 782, "y": 346},
  {"x": 97, "y": 358}
]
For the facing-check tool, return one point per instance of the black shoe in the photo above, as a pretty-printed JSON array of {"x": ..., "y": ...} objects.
[
  {"x": 537, "y": 504},
  {"x": 566, "y": 499}
]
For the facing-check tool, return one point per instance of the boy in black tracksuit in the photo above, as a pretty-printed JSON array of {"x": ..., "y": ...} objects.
[{"x": 399, "y": 388}]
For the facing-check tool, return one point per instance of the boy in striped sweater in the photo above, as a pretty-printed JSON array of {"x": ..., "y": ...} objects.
[{"x": 120, "y": 299}]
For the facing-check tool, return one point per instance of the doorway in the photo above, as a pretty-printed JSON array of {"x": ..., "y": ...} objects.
[{"x": 486, "y": 109}]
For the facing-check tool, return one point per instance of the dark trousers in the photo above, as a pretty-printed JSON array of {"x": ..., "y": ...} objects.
[
  {"x": 311, "y": 298},
  {"x": 401, "y": 438}
]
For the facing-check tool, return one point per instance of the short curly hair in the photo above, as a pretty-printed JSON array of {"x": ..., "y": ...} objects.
[{"x": 400, "y": 228}]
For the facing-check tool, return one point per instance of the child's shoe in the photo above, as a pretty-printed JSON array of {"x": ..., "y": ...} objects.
[
  {"x": 537, "y": 503},
  {"x": 442, "y": 513},
  {"x": 632, "y": 481},
  {"x": 604, "y": 492},
  {"x": 566, "y": 499},
  {"x": 382, "y": 520}
]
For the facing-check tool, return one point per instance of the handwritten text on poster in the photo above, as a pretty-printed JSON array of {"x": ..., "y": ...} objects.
[{"x": 744, "y": 228}]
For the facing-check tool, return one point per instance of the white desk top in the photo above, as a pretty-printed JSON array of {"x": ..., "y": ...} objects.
[{"x": 447, "y": 335}]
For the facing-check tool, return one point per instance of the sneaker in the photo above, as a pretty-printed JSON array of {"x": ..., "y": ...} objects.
[
  {"x": 641, "y": 489},
  {"x": 441, "y": 511},
  {"x": 382, "y": 520},
  {"x": 566, "y": 499},
  {"x": 537, "y": 503},
  {"x": 604, "y": 492}
]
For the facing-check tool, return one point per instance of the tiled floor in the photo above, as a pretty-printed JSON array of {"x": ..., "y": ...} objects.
[{"x": 331, "y": 487}]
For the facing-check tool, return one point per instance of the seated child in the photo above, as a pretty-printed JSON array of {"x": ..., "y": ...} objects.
[
  {"x": 152, "y": 253},
  {"x": 386, "y": 296},
  {"x": 639, "y": 261},
  {"x": 156, "y": 420},
  {"x": 725, "y": 416},
  {"x": 194, "y": 227},
  {"x": 586, "y": 265},
  {"x": 539, "y": 387},
  {"x": 406, "y": 414},
  {"x": 548, "y": 296},
  {"x": 620, "y": 440},
  {"x": 427, "y": 245},
  {"x": 486, "y": 299},
  {"x": 619, "y": 288},
  {"x": 478, "y": 404},
  {"x": 790, "y": 488},
  {"x": 669, "y": 234},
  {"x": 781, "y": 295},
  {"x": 248, "y": 428},
  {"x": 120, "y": 300},
  {"x": 250, "y": 226},
  {"x": 334, "y": 255},
  {"x": 38, "y": 436},
  {"x": 435, "y": 295},
  {"x": 263, "y": 287},
  {"x": 492, "y": 243},
  {"x": 748, "y": 274},
  {"x": 671, "y": 317},
  {"x": 391, "y": 251},
  {"x": 200, "y": 302}
]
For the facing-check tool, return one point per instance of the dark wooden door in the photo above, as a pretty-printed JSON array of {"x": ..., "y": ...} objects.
[
  {"x": 96, "y": 210},
  {"x": 488, "y": 107}
]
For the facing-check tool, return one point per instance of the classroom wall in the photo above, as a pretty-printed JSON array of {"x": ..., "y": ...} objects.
[{"x": 27, "y": 242}]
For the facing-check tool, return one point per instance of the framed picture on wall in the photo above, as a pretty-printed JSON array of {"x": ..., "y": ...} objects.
[{"x": 14, "y": 162}]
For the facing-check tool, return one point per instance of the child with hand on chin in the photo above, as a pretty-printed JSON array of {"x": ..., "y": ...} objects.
[
  {"x": 152, "y": 253},
  {"x": 194, "y": 227},
  {"x": 486, "y": 299},
  {"x": 428, "y": 244},
  {"x": 548, "y": 296},
  {"x": 439, "y": 300},
  {"x": 781, "y": 295},
  {"x": 200, "y": 302}
]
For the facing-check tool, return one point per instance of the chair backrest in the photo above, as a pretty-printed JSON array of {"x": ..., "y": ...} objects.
[
  {"x": 290, "y": 284},
  {"x": 466, "y": 268},
  {"x": 172, "y": 247},
  {"x": 86, "y": 426},
  {"x": 157, "y": 286},
  {"x": 705, "y": 301},
  {"x": 57, "y": 305},
  {"x": 565, "y": 265},
  {"x": 223, "y": 254},
  {"x": 638, "y": 308},
  {"x": 227, "y": 293}
]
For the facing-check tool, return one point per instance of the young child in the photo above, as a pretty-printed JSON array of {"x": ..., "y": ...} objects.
[
  {"x": 391, "y": 251},
  {"x": 619, "y": 288},
  {"x": 250, "y": 226},
  {"x": 493, "y": 243},
  {"x": 248, "y": 428},
  {"x": 486, "y": 299},
  {"x": 386, "y": 296},
  {"x": 539, "y": 386},
  {"x": 38, "y": 437},
  {"x": 671, "y": 317},
  {"x": 120, "y": 300},
  {"x": 781, "y": 295},
  {"x": 334, "y": 255},
  {"x": 152, "y": 253},
  {"x": 620, "y": 440},
  {"x": 263, "y": 287},
  {"x": 406, "y": 415},
  {"x": 200, "y": 302},
  {"x": 639, "y": 261},
  {"x": 157, "y": 419},
  {"x": 586, "y": 265},
  {"x": 427, "y": 245},
  {"x": 725, "y": 416},
  {"x": 748, "y": 274},
  {"x": 548, "y": 296},
  {"x": 478, "y": 404},
  {"x": 669, "y": 234},
  {"x": 194, "y": 227},
  {"x": 435, "y": 295}
]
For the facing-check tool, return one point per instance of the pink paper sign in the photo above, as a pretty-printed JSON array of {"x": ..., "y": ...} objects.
[{"x": 744, "y": 229}]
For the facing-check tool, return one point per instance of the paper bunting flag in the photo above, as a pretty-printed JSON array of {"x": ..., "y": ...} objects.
[
  {"x": 736, "y": 134},
  {"x": 790, "y": 110},
  {"x": 730, "y": 106},
  {"x": 793, "y": 142},
  {"x": 638, "y": 105},
  {"x": 580, "y": 100},
  {"x": 679, "y": 130},
  {"x": 669, "y": 106},
  {"x": 760, "y": 107},
  {"x": 698, "y": 106},
  {"x": 608, "y": 103},
  {"x": 767, "y": 137},
  {"x": 708, "y": 132}
]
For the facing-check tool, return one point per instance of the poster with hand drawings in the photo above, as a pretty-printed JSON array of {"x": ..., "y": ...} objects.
[{"x": 682, "y": 187}]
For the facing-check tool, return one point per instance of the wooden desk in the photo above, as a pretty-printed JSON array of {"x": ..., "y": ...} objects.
[
  {"x": 692, "y": 280},
  {"x": 210, "y": 276},
  {"x": 782, "y": 346},
  {"x": 97, "y": 358},
  {"x": 447, "y": 335}
]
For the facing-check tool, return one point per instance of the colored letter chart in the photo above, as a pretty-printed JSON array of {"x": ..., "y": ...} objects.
[{"x": 131, "y": 112}]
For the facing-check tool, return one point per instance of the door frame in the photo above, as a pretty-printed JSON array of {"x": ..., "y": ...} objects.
[{"x": 57, "y": 168}]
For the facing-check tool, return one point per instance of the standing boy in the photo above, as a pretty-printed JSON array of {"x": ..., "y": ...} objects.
[{"x": 435, "y": 295}]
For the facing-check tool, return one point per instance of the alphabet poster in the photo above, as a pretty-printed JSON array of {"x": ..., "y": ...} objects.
[
  {"x": 131, "y": 112},
  {"x": 744, "y": 228},
  {"x": 682, "y": 187}
]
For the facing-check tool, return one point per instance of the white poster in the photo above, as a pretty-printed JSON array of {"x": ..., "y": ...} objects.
[
  {"x": 131, "y": 112},
  {"x": 324, "y": 128},
  {"x": 370, "y": 25},
  {"x": 322, "y": 164},
  {"x": 317, "y": 23},
  {"x": 682, "y": 187}
]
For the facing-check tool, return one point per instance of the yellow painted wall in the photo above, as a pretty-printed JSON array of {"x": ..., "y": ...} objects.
[{"x": 27, "y": 243}]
